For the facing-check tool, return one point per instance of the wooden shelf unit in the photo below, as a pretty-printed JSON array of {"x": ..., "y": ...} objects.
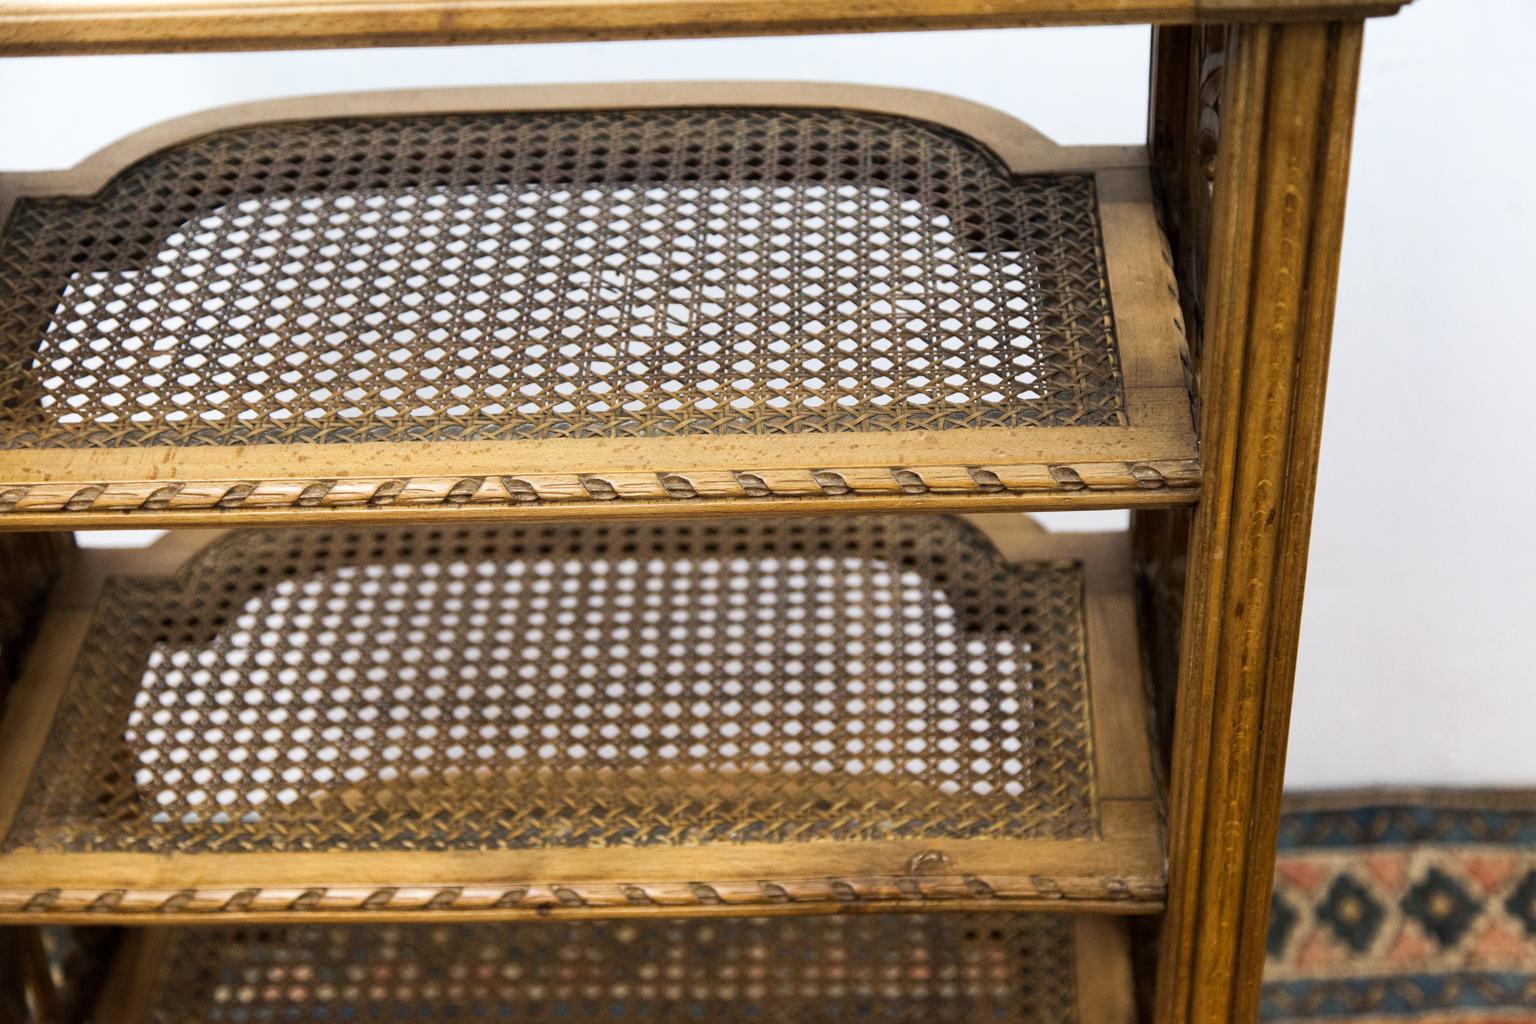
[{"x": 306, "y": 735}]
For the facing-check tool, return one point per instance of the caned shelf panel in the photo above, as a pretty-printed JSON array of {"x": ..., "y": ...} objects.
[
  {"x": 672, "y": 300},
  {"x": 113, "y": 26},
  {"x": 898, "y": 968},
  {"x": 698, "y": 717}
]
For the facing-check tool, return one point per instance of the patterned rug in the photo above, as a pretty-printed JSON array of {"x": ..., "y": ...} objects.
[{"x": 1415, "y": 907}]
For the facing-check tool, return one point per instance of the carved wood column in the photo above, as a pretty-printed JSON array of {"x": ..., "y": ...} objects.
[{"x": 1287, "y": 103}]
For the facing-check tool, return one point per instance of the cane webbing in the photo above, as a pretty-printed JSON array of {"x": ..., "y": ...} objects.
[
  {"x": 575, "y": 685},
  {"x": 544, "y": 275},
  {"x": 923, "y": 969}
]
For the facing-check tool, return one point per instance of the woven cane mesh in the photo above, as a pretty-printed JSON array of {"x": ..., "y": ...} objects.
[
  {"x": 565, "y": 685},
  {"x": 923, "y": 969},
  {"x": 607, "y": 274}
]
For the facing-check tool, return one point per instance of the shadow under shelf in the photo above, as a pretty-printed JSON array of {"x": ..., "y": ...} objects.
[{"x": 896, "y": 968}]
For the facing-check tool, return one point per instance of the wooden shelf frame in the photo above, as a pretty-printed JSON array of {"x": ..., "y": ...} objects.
[
  {"x": 1153, "y": 460},
  {"x": 33, "y": 27},
  {"x": 1118, "y": 869}
]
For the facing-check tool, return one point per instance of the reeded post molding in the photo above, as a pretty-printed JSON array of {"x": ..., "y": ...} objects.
[{"x": 1286, "y": 116}]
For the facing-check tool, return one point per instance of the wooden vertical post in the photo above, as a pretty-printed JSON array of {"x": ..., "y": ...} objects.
[
  {"x": 28, "y": 564},
  {"x": 1277, "y": 211}
]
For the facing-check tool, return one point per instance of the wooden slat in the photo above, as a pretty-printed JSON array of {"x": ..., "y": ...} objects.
[{"x": 126, "y": 26}]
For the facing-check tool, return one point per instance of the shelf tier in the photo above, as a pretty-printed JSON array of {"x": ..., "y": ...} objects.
[
  {"x": 135, "y": 26},
  {"x": 715, "y": 717},
  {"x": 1012, "y": 969},
  {"x": 560, "y": 302}
]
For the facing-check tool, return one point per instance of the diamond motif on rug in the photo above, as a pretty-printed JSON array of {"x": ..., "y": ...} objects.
[
  {"x": 1522, "y": 903},
  {"x": 1442, "y": 907},
  {"x": 1282, "y": 921},
  {"x": 1351, "y": 912}
]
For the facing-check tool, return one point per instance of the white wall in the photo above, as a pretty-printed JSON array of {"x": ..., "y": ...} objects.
[
  {"x": 1045, "y": 75},
  {"x": 1420, "y": 628},
  {"x": 1418, "y": 658}
]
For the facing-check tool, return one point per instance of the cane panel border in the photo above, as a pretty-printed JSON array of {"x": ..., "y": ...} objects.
[
  {"x": 574, "y": 686},
  {"x": 557, "y": 274}
]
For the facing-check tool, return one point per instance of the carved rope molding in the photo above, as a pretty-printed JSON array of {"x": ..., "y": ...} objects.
[
  {"x": 909, "y": 891},
  {"x": 148, "y": 496}
]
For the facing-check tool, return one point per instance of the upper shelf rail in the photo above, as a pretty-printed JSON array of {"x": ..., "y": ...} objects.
[{"x": 142, "y": 26}]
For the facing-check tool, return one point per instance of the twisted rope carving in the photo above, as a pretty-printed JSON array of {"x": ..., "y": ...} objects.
[
  {"x": 897, "y": 892},
  {"x": 150, "y": 496}
]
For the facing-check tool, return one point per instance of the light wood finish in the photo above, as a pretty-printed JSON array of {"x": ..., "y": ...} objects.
[
  {"x": 1105, "y": 989},
  {"x": 116, "y": 26},
  {"x": 131, "y": 984},
  {"x": 1119, "y": 870},
  {"x": 1278, "y": 207},
  {"x": 1151, "y": 461}
]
